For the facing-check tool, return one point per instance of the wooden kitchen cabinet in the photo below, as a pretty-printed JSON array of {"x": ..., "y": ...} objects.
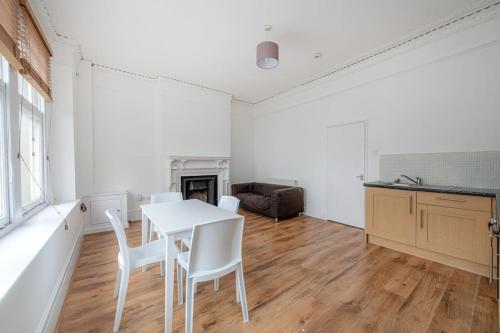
[
  {"x": 461, "y": 233},
  {"x": 448, "y": 228},
  {"x": 391, "y": 214}
]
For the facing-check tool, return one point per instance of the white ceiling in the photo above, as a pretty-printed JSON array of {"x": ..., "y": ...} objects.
[{"x": 213, "y": 43}]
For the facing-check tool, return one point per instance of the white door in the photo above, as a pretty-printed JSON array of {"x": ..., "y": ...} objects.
[{"x": 345, "y": 174}]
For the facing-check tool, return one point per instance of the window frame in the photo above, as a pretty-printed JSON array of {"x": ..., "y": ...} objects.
[
  {"x": 27, "y": 105},
  {"x": 10, "y": 123},
  {"x": 35, "y": 98},
  {"x": 4, "y": 167}
]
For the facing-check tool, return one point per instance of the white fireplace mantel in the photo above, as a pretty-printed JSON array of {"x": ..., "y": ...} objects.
[{"x": 179, "y": 166}]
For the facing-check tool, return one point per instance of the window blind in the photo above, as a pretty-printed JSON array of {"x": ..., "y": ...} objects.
[
  {"x": 34, "y": 51},
  {"x": 9, "y": 31}
]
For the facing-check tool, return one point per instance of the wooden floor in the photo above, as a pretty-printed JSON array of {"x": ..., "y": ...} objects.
[{"x": 302, "y": 275}]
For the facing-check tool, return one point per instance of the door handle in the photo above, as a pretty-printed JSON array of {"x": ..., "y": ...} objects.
[
  {"x": 361, "y": 177},
  {"x": 421, "y": 219},
  {"x": 411, "y": 204},
  {"x": 449, "y": 199}
]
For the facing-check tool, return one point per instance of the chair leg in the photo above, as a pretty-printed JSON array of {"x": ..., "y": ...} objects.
[
  {"x": 151, "y": 229},
  {"x": 216, "y": 284},
  {"x": 117, "y": 283},
  {"x": 162, "y": 268},
  {"x": 237, "y": 288},
  {"x": 189, "y": 305},
  {"x": 180, "y": 299},
  {"x": 243, "y": 296},
  {"x": 122, "y": 294}
]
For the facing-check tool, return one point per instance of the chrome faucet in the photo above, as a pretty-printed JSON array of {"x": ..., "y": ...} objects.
[{"x": 417, "y": 181}]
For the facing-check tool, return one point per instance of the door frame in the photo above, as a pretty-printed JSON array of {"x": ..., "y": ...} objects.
[{"x": 363, "y": 121}]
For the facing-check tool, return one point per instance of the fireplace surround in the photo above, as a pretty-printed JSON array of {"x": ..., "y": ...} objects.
[{"x": 179, "y": 167}]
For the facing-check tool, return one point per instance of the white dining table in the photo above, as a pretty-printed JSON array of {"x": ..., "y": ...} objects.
[{"x": 174, "y": 221}]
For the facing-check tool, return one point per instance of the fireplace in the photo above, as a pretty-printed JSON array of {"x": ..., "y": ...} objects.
[{"x": 203, "y": 188}]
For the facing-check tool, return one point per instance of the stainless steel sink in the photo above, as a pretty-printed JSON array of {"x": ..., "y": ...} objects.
[{"x": 402, "y": 185}]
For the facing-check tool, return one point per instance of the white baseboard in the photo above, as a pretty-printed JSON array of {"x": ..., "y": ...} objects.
[{"x": 53, "y": 310}]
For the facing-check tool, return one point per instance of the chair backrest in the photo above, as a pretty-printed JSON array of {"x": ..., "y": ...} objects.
[
  {"x": 119, "y": 232},
  {"x": 166, "y": 197},
  {"x": 229, "y": 203},
  {"x": 215, "y": 245}
]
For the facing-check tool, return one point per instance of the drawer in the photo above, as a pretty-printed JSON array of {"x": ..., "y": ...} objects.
[{"x": 455, "y": 201}]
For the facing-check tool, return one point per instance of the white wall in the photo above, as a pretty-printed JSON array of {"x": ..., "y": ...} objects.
[
  {"x": 132, "y": 124},
  {"x": 241, "y": 142},
  {"x": 61, "y": 143},
  {"x": 440, "y": 97}
]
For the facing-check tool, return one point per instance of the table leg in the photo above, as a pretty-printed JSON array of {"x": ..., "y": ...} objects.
[
  {"x": 169, "y": 281},
  {"x": 145, "y": 225}
]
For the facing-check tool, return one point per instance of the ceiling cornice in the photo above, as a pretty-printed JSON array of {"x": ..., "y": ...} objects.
[{"x": 469, "y": 19}]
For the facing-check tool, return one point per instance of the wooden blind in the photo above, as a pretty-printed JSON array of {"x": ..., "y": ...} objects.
[
  {"x": 9, "y": 31},
  {"x": 34, "y": 50}
]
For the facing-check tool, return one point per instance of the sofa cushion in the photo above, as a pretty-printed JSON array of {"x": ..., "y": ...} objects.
[
  {"x": 254, "y": 201},
  {"x": 266, "y": 189}
]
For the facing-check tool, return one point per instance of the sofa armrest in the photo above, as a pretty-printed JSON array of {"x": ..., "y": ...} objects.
[
  {"x": 241, "y": 188},
  {"x": 287, "y": 202}
]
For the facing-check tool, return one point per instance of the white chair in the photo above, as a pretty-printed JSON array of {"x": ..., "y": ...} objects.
[
  {"x": 128, "y": 259},
  {"x": 226, "y": 202},
  {"x": 162, "y": 197},
  {"x": 215, "y": 252}
]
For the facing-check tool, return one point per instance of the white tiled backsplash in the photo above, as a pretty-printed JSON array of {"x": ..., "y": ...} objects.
[{"x": 468, "y": 169}]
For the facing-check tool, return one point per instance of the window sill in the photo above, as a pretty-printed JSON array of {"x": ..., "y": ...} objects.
[{"x": 21, "y": 245}]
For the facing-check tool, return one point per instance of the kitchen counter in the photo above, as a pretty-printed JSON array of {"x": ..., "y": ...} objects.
[{"x": 483, "y": 192}]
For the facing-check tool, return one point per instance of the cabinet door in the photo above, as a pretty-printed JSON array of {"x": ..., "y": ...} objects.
[
  {"x": 391, "y": 214},
  {"x": 460, "y": 233}
]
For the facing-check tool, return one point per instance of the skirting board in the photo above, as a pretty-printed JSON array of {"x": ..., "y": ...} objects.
[{"x": 50, "y": 317}]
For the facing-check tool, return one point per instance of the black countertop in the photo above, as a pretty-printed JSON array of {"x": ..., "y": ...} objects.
[{"x": 484, "y": 192}]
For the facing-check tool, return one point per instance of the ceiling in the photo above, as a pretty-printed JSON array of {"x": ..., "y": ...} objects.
[{"x": 212, "y": 43}]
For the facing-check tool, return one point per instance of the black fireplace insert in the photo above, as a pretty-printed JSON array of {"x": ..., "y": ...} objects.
[{"x": 203, "y": 188}]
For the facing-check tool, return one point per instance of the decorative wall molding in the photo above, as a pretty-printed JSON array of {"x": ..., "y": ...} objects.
[
  {"x": 50, "y": 317},
  {"x": 479, "y": 36},
  {"x": 452, "y": 24},
  {"x": 54, "y": 308},
  {"x": 411, "y": 41},
  {"x": 178, "y": 166}
]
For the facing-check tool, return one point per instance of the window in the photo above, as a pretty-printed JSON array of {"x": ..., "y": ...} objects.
[
  {"x": 24, "y": 89},
  {"x": 4, "y": 70},
  {"x": 31, "y": 146},
  {"x": 4, "y": 189}
]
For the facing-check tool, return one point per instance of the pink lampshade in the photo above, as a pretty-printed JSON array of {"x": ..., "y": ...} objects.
[{"x": 267, "y": 55}]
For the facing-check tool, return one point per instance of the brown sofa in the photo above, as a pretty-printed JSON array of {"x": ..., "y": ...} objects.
[{"x": 276, "y": 201}]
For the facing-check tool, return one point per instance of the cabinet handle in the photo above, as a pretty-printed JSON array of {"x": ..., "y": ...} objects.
[
  {"x": 411, "y": 204},
  {"x": 421, "y": 219},
  {"x": 448, "y": 199}
]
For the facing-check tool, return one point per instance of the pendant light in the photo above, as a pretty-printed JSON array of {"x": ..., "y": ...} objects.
[{"x": 267, "y": 53}]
